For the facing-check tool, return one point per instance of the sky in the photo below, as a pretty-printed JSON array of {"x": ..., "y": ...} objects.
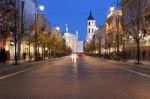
[{"x": 75, "y": 13}]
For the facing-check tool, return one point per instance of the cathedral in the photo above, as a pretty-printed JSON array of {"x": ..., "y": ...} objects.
[
  {"x": 91, "y": 27},
  {"x": 73, "y": 42}
]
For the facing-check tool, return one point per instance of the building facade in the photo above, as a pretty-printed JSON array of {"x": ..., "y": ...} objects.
[
  {"x": 113, "y": 29},
  {"x": 9, "y": 8},
  {"x": 100, "y": 40},
  {"x": 140, "y": 10},
  {"x": 71, "y": 40}
]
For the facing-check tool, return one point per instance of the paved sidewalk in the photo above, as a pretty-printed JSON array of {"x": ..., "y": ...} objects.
[
  {"x": 133, "y": 63},
  {"x": 144, "y": 64},
  {"x": 5, "y": 67}
]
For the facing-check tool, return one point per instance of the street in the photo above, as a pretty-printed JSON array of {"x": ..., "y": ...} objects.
[{"x": 88, "y": 78}]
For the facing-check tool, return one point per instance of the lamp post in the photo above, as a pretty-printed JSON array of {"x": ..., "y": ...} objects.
[
  {"x": 124, "y": 48},
  {"x": 36, "y": 51},
  {"x": 99, "y": 31},
  {"x": 112, "y": 9},
  {"x": 57, "y": 31},
  {"x": 41, "y": 7},
  {"x": 117, "y": 35}
]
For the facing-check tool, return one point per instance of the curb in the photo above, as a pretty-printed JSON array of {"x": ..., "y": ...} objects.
[
  {"x": 27, "y": 64},
  {"x": 125, "y": 63}
]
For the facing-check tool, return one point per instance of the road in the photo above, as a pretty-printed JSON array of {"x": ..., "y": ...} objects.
[{"x": 88, "y": 78}]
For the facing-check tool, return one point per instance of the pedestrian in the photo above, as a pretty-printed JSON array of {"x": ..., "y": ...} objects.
[
  {"x": 143, "y": 55},
  {"x": 24, "y": 56},
  {"x": 8, "y": 56},
  {"x": 0, "y": 55},
  {"x": 3, "y": 55}
]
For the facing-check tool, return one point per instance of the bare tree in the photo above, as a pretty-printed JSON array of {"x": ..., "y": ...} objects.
[{"x": 134, "y": 25}]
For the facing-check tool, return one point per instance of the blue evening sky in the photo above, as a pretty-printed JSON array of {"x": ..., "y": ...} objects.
[{"x": 75, "y": 13}]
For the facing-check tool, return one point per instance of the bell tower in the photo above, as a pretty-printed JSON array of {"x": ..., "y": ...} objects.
[{"x": 91, "y": 27}]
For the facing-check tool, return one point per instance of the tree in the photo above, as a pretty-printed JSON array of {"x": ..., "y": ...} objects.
[
  {"x": 5, "y": 21},
  {"x": 56, "y": 40},
  {"x": 44, "y": 31},
  {"x": 29, "y": 36},
  {"x": 134, "y": 25}
]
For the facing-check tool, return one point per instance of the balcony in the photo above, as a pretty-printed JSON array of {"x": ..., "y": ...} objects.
[
  {"x": 8, "y": 3},
  {"x": 146, "y": 10}
]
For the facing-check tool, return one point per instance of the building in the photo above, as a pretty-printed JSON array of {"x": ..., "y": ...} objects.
[
  {"x": 100, "y": 40},
  {"x": 91, "y": 27},
  {"x": 14, "y": 7},
  {"x": 80, "y": 47},
  {"x": 113, "y": 29},
  {"x": 71, "y": 39},
  {"x": 141, "y": 10},
  {"x": 73, "y": 42},
  {"x": 6, "y": 41}
]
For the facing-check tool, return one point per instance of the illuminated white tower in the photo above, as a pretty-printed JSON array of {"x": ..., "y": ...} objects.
[{"x": 91, "y": 27}]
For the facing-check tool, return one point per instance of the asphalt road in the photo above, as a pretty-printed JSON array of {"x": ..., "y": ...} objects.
[{"x": 89, "y": 78}]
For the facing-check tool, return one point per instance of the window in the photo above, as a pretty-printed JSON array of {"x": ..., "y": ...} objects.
[
  {"x": 89, "y": 30},
  {"x": 92, "y": 30},
  {"x": 89, "y": 23}
]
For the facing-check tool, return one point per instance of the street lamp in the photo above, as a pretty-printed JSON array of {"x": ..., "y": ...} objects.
[
  {"x": 124, "y": 49},
  {"x": 41, "y": 8},
  {"x": 112, "y": 8},
  {"x": 57, "y": 28}
]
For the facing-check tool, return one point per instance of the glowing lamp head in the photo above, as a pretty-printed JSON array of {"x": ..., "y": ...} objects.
[
  {"x": 41, "y": 7},
  {"x": 112, "y": 8},
  {"x": 58, "y": 28}
]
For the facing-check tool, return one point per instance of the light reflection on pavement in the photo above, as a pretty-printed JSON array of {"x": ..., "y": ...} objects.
[{"x": 85, "y": 78}]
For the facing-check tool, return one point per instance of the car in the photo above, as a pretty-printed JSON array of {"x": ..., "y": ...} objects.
[{"x": 80, "y": 54}]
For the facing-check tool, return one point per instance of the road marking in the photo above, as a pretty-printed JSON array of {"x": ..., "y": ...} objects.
[
  {"x": 13, "y": 74},
  {"x": 10, "y": 75},
  {"x": 142, "y": 74}
]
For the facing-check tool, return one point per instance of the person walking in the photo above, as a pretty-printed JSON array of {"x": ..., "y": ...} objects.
[
  {"x": 24, "y": 56},
  {"x": 3, "y": 55}
]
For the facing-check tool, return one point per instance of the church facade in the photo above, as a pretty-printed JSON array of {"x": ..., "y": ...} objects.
[
  {"x": 73, "y": 42},
  {"x": 71, "y": 39}
]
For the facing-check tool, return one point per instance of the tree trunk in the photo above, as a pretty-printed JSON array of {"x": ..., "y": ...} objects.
[
  {"x": 49, "y": 54},
  {"x": 99, "y": 47},
  {"x": 19, "y": 49},
  {"x": 44, "y": 52},
  {"x": 15, "y": 57},
  {"x": 124, "y": 52},
  {"x": 138, "y": 51},
  {"x": 29, "y": 51}
]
